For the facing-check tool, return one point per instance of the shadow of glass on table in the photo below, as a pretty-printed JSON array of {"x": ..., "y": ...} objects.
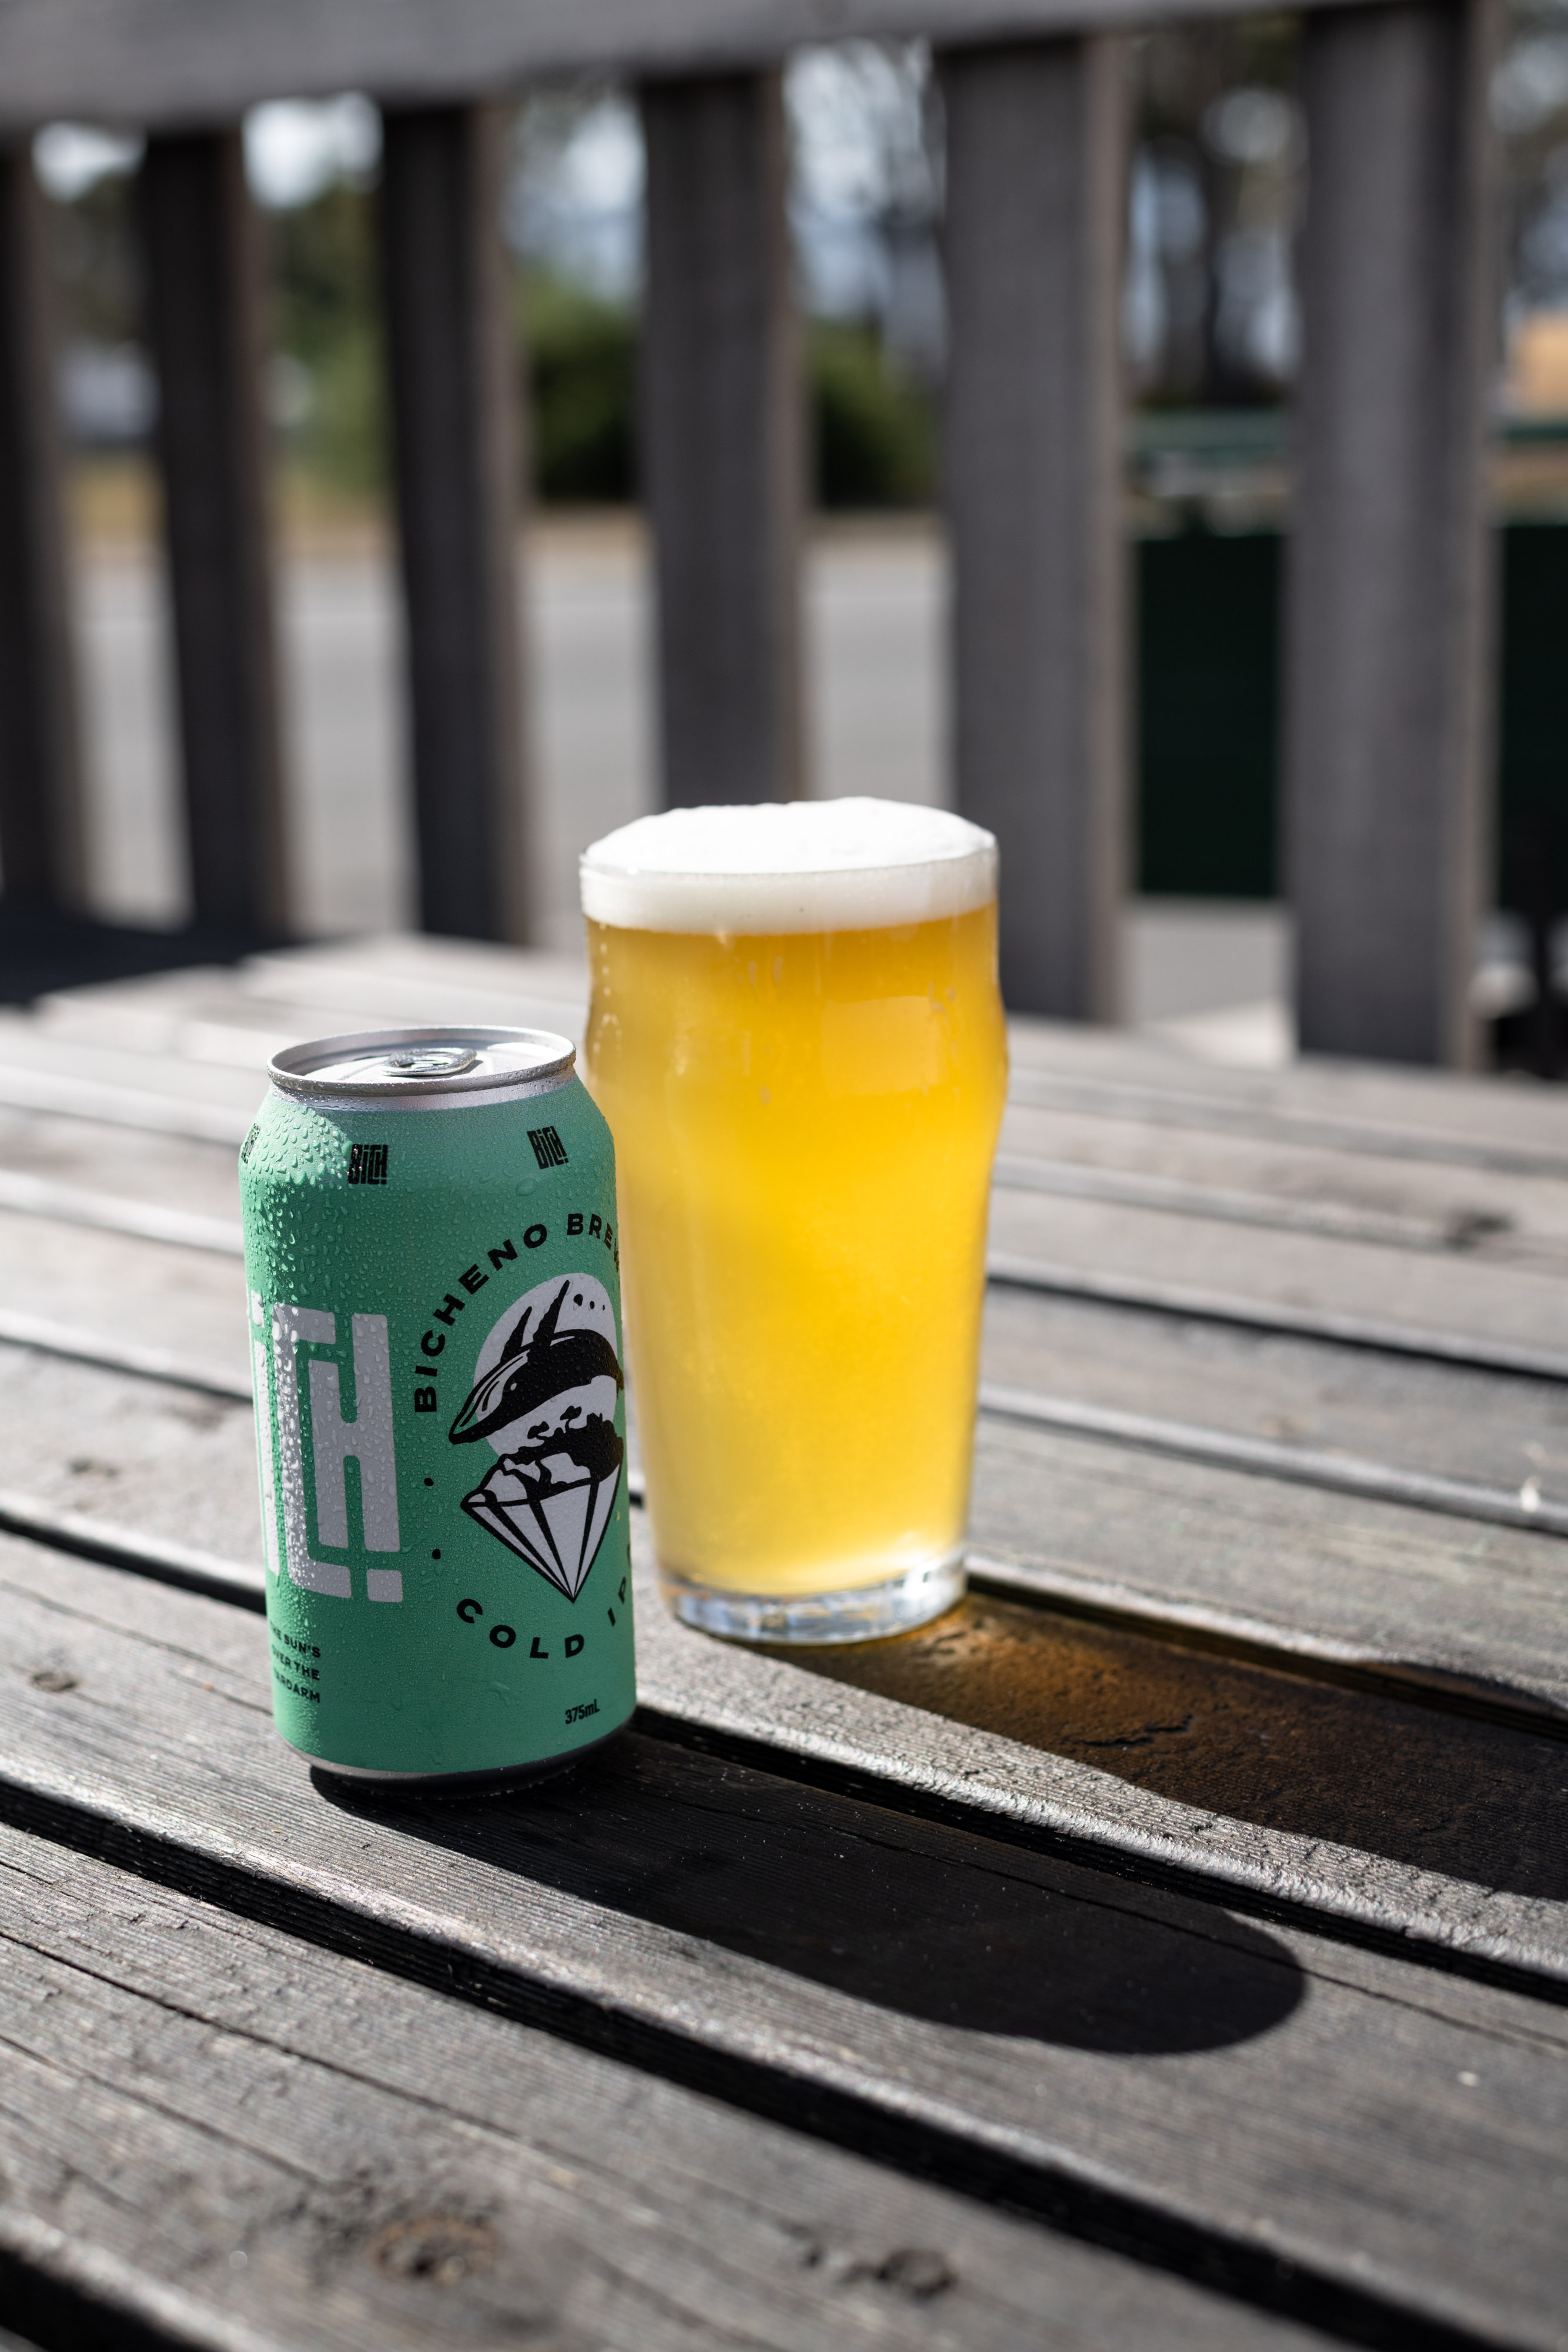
[
  {"x": 1472, "y": 1799},
  {"x": 937, "y": 1924}
]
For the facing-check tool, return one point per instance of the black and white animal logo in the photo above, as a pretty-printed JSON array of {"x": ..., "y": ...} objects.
[{"x": 544, "y": 1397}]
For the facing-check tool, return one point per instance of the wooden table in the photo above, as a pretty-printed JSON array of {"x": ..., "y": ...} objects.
[{"x": 1168, "y": 1948}]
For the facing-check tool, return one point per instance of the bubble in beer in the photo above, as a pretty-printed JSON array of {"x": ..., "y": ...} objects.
[{"x": 773, "y": 866}]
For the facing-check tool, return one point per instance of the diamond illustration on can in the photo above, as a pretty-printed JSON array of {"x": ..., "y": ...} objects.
[{"x": 544, "y": 1396}]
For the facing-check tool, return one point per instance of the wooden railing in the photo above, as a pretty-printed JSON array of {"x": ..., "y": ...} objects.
[{"x": 1388, "y": 614}]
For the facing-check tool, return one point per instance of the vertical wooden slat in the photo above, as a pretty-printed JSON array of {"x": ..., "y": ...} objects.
[
  {"x": 41, "y": 830},
  {"x": 203, "y": 243},
  {"x": 1036, "y": 197},
  {"x": 723, "y": 439},
  {"x": 1389, "y": 629},
  {"x": 453, "y": 369}
]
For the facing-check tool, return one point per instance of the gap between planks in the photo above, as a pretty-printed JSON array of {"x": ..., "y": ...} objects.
[
  {"x": 740, "y": 2233},
  {"x": 1113, "y": 1099},
  {"x": 1246, "y": 1639},
  {"x": 344, "y": 1902},
  {"x": 960, "y": 1800},
  {"x": 1223, "y": 1449},
  {"x": 925, "y": 2148},
  {"x": 31, "y": 1196}
]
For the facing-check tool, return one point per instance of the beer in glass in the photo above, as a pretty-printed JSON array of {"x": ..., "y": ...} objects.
[{"x": 796, "y": 1036}]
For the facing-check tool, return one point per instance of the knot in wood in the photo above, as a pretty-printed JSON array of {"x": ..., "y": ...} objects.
[{"x": 435, "y": 2246}]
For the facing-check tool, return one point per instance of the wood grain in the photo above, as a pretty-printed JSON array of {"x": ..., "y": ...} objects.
[
  {"x": 1400, "y": 1594},
  {"x": 187, "y": 1304},
  {"x": 1414, "y": 1204},
  {"x": 205, "y": 265},
  {"x": 1342, "y": 1105},
  {"x": 174, "y": 61},
  {"x": 1390, "y": 616},
  {"x": 149, "y": 1170},
  {"x": 453, "y": 368},
  {"x": 1440, "y": 1417},
  {"x": 1103, "y": 2043},
  {"x": 152, "y": 1458},
  {"x": 1446, "y": 1294},
  {"x": 1104, "y": 1074},
  {"x": 338, "y": 2157},
  {"x": 1035, "y": 169},
  {"x": 1476, "y": 1608},
  {"x": 723, "y": 446}
]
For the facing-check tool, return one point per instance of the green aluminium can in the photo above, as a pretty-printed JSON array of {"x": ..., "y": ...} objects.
[{"x": 433, "y": 1275}]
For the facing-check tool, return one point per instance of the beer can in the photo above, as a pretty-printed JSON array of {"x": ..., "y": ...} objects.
[{"x": 433, "y": 1278}]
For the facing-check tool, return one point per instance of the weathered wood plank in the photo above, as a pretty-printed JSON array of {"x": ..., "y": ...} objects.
[
  {"x": 1452, "y": 1294},
  {"x": 723, "y": 438},
  {"x": 1408, "y": 1594},
  {"x": 1389, "y": 621},
  {"x": 148, "y": 1169},
  {"x": 1093, "y": 1079},
  {"x": 41, "y": 841},
  {"x": 1310, "y": 1405},
  {"x": 1466, "y": 1799},
  {"x": 187, "y": 1304},
  {"x": 1265, "y": 1457},
  {"x": 34, "y": 1082},
  {"x": 1506, "y": 1214},
  {"x": 97, "y": 1055},
  {"x": 1357, "y": 1105},
  {"x": 400, "y": 959},
  {"x": 390, "y": 2166},
  {"x": 1033, "y": 228},
  {"x": 452, "y": 357},
  {"x": 154, "y": 1459},
  {"x": 205, "y": 315},
  {"x": 1476, "y": 1609},
  {"x": 172, "y": 61},
  {"x": 40, "y": 1196},
  {"x": 1383, "y": 1111},
  {"x": 1500, "y": 1127},
  {"x": 1340, "y": 1577},
  {"x": 948, "y": 1751},
  {"x": 238, "y": 1020},
  {"x": 1444, "y": 1293},
  {"x": 779, "y": 1705},
  {"x": 1410, "y": 1414},
  {"x": 56, "y": 1278},
  {"x": 1131, "y": 1704},
  {"x": 1261, "y": 2092}
]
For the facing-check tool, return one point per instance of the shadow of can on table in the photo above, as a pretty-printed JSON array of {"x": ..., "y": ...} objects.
[
  {"x": 433, "y": 1269},
  {"x": 796, "y": 1035}
]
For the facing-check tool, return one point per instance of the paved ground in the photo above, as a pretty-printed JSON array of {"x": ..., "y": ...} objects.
[{"x": 877, "y": 718}]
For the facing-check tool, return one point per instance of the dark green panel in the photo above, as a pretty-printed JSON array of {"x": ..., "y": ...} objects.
[
  {"x": 1208, "y": 694},
  {"x": 1208, "y": 620},
  {"x": 1534, "y": 697}
]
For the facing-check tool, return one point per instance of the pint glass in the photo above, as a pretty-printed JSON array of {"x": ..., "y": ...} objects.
[{"x": 796, "y": 1037}]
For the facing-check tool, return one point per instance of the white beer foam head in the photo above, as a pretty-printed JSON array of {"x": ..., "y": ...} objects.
[{"x": 788, "y": 865}]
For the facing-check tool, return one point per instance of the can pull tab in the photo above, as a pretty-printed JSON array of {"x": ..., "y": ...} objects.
[{"x": 431, "y": 1061}]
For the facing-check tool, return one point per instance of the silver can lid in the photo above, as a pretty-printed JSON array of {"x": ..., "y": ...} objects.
[{"x": 391, "y": 1064}]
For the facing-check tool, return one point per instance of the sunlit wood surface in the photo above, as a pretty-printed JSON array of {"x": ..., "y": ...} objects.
[{"x": 1168, "y": 1947}]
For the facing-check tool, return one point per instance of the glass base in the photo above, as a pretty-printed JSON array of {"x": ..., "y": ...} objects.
[{"x": 864, "y": 1614}]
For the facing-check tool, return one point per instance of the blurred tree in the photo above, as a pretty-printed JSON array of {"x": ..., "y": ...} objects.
[
  {"x": 1216, "y": 192},
  {"x": 101, "y": 272},
  {"x": 326, "y": 319},
  {"x": 874, "y": 429},
  {"x": 582, "y": 364}
]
